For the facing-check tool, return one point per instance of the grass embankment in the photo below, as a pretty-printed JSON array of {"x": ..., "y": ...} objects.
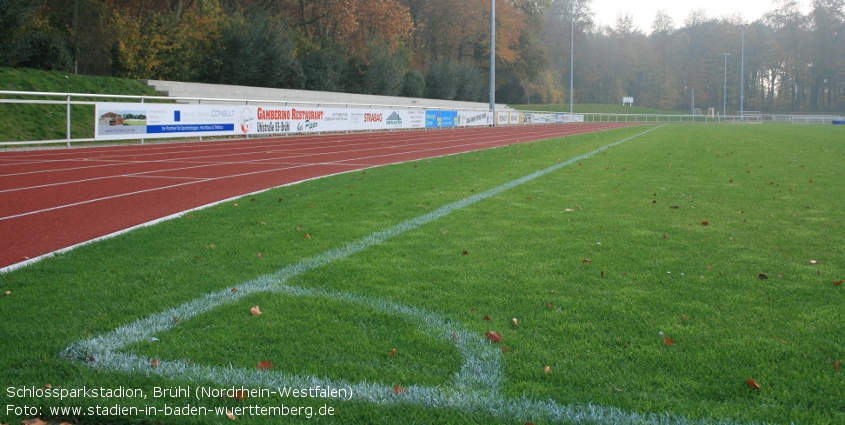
[
  {"x": 22, "y": 122},
  {"x": 594, "y": 109},
  {"x": 679, "y": 226}
]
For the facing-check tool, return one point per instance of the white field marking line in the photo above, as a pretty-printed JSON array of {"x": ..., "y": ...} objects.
[
  {"x": 300, "y": 145},
  {"x": 204, "y": 180},
  {"x": 411, "y": 149},
  {"x": 475, "y": 388}
]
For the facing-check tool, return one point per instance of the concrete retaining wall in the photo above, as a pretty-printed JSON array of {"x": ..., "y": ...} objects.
[{"x": 305, "y": 97}]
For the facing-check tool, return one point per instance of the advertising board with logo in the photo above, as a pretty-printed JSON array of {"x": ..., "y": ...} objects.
[
  {"x": 502, "y": 118},
  {"x": 438, "y": 118},
  {"x": 473, "y": 118}
]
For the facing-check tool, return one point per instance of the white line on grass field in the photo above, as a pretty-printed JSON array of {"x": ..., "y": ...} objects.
[{"x": 474, "y": 389}]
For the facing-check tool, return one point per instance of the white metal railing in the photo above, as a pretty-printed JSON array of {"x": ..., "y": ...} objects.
[
  {"x": 806, "y": 119},
  {"x": 668, "y": 118},
  {"x": 67, "y": 99}
]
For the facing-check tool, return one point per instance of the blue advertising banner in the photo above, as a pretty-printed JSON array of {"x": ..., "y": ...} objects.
[{"x": 434, "y": 119}]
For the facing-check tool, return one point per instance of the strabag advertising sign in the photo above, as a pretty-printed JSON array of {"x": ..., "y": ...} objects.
[{"x": 143, "y": 120}]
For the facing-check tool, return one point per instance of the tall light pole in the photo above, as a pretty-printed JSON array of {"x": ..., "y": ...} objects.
[
  {"x": 725, "y": 87},
  {"x": 571, "y": 49},
  {"x": 742, "y": 77},
  {"x": 493, "y": 60}
]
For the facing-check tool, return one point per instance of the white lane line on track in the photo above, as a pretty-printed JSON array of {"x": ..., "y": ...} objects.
[
  {"x": 299, "y": 148},
  {"x": 410, "y": 150}
]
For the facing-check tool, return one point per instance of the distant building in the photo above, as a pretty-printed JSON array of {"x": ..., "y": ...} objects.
[{"x": 111, "y": 118}]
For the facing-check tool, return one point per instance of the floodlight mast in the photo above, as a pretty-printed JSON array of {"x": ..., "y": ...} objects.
[
  {"x": 742, "y": 77},
  {"x": 493, "y": 60},
  {"x": 571, "y": 49},
  {"x": 725, "y": 87}
]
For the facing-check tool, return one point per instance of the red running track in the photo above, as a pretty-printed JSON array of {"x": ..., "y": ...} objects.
[{"x": 55, "y": 199}]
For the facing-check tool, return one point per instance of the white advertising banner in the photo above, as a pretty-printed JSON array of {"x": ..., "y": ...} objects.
[
  {"x": 514, "y": 118},
  {"x": 147, "y": 120},
  {"x": 474, "y": 118},
  {"x": 502, "y": 118}
]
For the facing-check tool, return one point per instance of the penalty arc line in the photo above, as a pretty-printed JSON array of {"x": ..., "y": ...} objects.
[{"x": 475, "y": 387}]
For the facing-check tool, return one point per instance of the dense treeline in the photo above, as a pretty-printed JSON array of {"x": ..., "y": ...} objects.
[{"x": 440, "y": 49}]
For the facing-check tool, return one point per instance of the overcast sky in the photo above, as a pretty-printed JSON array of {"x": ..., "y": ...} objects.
[{"x": 644, "y": 10}]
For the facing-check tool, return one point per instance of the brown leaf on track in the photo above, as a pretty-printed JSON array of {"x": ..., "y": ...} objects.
[
  {"x": 762, "y": 276},
  {"x": 494, "y": 336},
  {"x": 837, "y": 282},
  {"x": 668, "y": 341},
  {"x": 392, "y": 353},
  {"x": 155, "y": 363},
  {"x": 399, "y": 390},
  {"x": 586, "y": 261},
  {"x": 263, "y": 365},
  {"x": 487, "y": 318},
  {"x": 255, "y": 310},
  {"x": 751, "y": 384},
  {"x": 230, "y": 415}
]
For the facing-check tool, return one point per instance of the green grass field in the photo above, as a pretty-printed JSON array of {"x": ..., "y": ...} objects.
[{"x": 668, "y": 235}]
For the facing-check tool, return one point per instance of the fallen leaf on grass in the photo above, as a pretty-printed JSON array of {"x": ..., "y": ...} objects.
[
  {"x": 586, "y": 261},
  {"x": 307, "y": 236},
  {"x": 762, "y": 276},
  {"x": 263, "y": 365},
  {"x": 550, "y": 305},
  {"x": 814, "y": 262},
  {"x": 487, "y": 318},
  {"x": 260, "y": 255},
  {"x": 704, "y": 223},
  {"x": 505, "y": 349},
  {"x": 685, "y": 317},
  {"x": 753, "y": 385},
  {"x": 393, "y": 353},
  {"x": 155, "y": 363},
  {"x": 399, "y": 390},
  {"x": 230, "y": 415},
  {"x": 515, "y": 322},
  {"x": 464, "y": 252},
  {"x": 8, "y": 293},
  {"x": 234, "y": 290},
  {"x": 836, "y": 366},
  {"x": 454, "y": 336},
  {"x": 175, "y": 319},
  {"x": 569, "y": 210},
  {"x": 547, "y": 369},
  {"x": 668, "y": 341},
  {"x": 494, "y": 336},
  {"x": 837, "y": 282},
  {"x": 255, "y": 310}
]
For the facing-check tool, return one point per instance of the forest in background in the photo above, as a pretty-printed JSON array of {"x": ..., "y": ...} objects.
[{"x": 794, "y": 62}]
